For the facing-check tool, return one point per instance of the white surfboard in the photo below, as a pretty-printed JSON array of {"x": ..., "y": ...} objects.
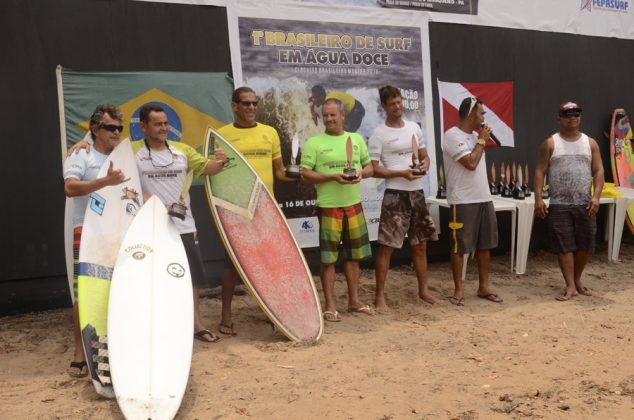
[
  {"x": 68, "y": 234},
  {"x": 151, "y": 317},
  {"x": 109, "y": 212},
  {"x": 68, "y": 244}
]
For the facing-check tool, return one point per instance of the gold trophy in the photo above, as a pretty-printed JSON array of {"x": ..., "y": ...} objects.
[
  {"x": 292, "y": 170},
  {"x": 349, "y": 172},
  {"x": 179, "y": 209}
]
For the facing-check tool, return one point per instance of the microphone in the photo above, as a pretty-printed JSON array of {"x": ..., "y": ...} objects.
[{"x": 495, "y": 139}]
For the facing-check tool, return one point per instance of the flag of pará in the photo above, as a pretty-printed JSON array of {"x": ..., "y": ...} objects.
[{"x": 497, "y": 98}]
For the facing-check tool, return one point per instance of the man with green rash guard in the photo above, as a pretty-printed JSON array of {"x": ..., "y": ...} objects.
[{"x": 341, "y": 218}]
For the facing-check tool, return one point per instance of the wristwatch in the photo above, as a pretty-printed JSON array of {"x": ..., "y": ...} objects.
[{"x": 480, "y": 141}]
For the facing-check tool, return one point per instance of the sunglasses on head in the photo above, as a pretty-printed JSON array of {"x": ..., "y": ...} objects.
[
  {"x": 111, "y": 127},
  {"x": 570, "y": 114},
  {"x": 247, "y": 103},
  {"x": 474, "y": 102}
]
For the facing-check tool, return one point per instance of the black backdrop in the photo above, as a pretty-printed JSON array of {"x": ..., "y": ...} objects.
[
  {"x": 85, "y": 35},
  {"x": 36, "y": 35}
]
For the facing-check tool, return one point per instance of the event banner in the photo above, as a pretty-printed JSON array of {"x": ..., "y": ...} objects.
[
  {"x": 469, "y": 7},
  {"x": 293, "y": 64},
  {"x": 192, "y": 101}
]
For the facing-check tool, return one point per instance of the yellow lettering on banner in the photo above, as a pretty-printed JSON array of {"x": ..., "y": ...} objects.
[
  {"x": 291, "y": 39},
  {"x": 364, "y": 42},
  {"x": 403, "y": 44},
  {"x": 257, "y": 36}
]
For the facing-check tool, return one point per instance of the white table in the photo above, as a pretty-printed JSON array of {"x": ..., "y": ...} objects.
[
  {"x": 498, "y": 205},
  {"x": 526, "y": 212},
  {"x": 621, "y": 205}
]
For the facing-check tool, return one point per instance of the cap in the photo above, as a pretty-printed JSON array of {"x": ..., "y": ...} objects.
[{"x": 569, "y": 106}]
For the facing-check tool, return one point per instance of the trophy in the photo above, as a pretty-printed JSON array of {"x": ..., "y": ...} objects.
[
  {"x": 518, "y": 191},
  {"x": 492, "y": 187},
  {"x": 349, "y": 172},
  {"x": 501, "y": 182},
  {"x": 525, "y": 187},
  {"x": 506, "y": 191},
  {"x": 416, "y": 163},
  {"x": 442, "y": 193},
  {"x": 179, "y": 209},
  {"x": 292, "y": 170}
]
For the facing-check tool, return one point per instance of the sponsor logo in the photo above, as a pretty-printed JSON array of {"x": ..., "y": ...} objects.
[
  {"x": 130, "y": 194},
  {"x": 609, "y": 5},
  {"x": 138, "y": 247},
  {"x": 175, "y": 270},
  {"x": 138, "y": 255},
  {"x": 130, "y": 209},
  {"x": 374, "y": 220},
  {"x": 97, "y": 203},
  {"x": 307, "y": 225}
]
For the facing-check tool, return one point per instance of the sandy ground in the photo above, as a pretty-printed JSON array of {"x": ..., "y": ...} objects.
[{"x": 529, "y": 357}]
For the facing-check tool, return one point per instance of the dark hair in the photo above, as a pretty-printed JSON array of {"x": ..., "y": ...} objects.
[
  {"x": 388, "y": 92},
  {"x": 235, "y": 97},
  {"x": 465, "y": 107},
  {"x": 144, "y": 113},
  {"x": 97, "y": 116},
  {"x": 319, "y": 91}
]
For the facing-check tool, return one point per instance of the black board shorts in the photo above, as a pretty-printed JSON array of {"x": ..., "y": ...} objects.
[
  {"x": 571, "y": 228},
  {"x": 190, "y": 242}
]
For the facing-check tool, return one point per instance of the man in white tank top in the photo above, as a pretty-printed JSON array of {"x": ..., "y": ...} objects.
[{"x": 573, "y": 163}]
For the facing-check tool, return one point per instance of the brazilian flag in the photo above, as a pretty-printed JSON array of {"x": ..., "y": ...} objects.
[{"x": 192, "y": 101}]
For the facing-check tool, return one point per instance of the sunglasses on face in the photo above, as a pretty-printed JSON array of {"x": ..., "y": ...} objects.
[
  {"x": 570, "y": 114},
  {"x": 248, "y": 103},
  {"x": 111, "y": 127}
]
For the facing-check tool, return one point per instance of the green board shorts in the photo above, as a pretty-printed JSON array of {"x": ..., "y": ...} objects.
[{"x": 343, "y": 225}]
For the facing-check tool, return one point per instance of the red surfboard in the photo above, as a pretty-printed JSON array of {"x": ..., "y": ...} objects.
[{"x": 261, "y": 245}]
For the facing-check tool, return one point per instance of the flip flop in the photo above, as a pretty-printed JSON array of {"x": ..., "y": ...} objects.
[
  {"x": 365, "y": 309},
  {"x": 332, "y": 316},
  {"x": 200, "y": 335},
  {"x": 456, "y": 301},
  {"x": 83, "y": 370},
  {"x": 492, "y": 297},
  {"x": 228, "y": 329}
]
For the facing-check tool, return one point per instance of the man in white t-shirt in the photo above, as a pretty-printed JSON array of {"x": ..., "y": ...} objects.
[
  {"x": 80, "y": 180},
  {"x": 403, "y": 210},
  {"x": 473, "y": 225}
]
